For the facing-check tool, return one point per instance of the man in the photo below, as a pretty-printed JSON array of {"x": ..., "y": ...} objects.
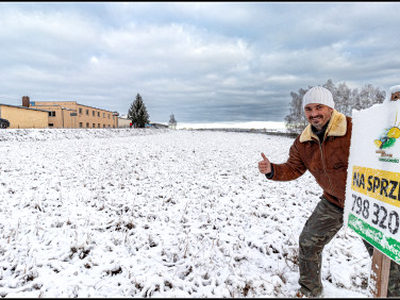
[{"x": 322, "y": 149}]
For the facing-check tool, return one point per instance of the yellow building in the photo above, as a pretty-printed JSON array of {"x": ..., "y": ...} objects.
[
  {"x": 24, "y": 117},
  {"x": 70, "y": 114}
]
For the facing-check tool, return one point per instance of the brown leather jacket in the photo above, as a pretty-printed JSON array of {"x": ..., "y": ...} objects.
[{"x": 326, "y": 161}]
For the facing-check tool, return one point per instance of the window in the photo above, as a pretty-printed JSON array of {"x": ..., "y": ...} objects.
[
  {"x": 80, "y": 110},
  {"x": 98, "y": 114},
  {"x": 87, "y": 125},
  {"x": 87, "y": 112},
  {"x": 52, "y": 113},
  {"x": 108, "y": 115},
  {"x": 51, "y": 125},
  {"x": 93, "y": 113},
  {"x": 98, "y": 125},
  {"x": 80, "y": 124},
  {"x": 104, "y": 115}
]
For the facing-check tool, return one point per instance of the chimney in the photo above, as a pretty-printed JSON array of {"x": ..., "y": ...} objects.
[{"x": 25, "y": 101}]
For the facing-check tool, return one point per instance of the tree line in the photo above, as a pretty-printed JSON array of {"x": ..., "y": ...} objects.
[{"x": 345, "y": 98}]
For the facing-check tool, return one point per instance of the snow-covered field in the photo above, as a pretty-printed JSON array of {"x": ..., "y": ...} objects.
[{"x": 158, "y": 213}]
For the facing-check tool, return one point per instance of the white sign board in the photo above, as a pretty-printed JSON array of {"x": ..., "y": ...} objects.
[{"x": 372, "y": 206}]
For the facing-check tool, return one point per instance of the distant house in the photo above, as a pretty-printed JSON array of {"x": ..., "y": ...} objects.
[
  {"x": 124, "y": 122},
  {"x": 24, "y": 117},
  {"x": 156, "y": 125}
]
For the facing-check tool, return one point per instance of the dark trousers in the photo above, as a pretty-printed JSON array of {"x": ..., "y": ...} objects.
[{"x": 320, "y": 228}]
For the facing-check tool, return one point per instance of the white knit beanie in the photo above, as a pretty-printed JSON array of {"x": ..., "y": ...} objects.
[{"x": 320, "y": 95}]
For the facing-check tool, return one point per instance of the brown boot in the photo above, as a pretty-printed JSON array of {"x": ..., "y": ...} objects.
[{"x": 301, "y": 293}]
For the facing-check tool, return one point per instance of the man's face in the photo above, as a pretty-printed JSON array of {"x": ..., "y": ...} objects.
[
  {"x": 318, "y": 114},
  {"x": 395, "y": 96}
]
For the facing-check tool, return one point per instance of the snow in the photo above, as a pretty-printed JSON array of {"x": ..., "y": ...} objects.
[
  {"x": 158, "y": 213},
  {"x": 271, "y": 125}
]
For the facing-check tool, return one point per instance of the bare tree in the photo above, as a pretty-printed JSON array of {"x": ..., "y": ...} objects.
[{"x": 345, "y": 101}]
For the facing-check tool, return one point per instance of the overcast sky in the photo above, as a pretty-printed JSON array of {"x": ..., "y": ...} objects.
[{"x": 203, "y": 62}]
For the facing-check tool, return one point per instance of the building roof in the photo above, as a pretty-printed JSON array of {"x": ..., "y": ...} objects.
[
  {"x": 23, "y": 107},
  {"x": 69, "y": 102}
]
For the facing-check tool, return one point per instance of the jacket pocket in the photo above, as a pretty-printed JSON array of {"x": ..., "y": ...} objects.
[{"x": 340, "y": 166}]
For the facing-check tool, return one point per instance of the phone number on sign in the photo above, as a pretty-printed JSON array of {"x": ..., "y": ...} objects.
[{"x": 380, "y": 216}]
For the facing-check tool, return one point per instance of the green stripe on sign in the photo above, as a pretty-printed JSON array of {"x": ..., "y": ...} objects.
[{"x": 376, "y": 238}]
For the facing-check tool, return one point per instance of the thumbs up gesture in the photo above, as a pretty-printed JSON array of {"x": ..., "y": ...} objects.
[{"x": 264, "y": 166}]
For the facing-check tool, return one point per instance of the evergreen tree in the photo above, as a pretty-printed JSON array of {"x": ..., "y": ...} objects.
[{"x": 138, "y": 113}]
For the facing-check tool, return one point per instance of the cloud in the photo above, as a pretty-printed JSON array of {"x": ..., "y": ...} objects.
[{"x": 202, "y": 61}]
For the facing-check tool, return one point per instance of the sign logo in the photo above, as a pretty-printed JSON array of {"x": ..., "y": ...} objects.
[{"x": 386, "y": 141}]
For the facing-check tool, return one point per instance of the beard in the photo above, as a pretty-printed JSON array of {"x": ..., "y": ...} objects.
[{"x": 317, "y": 121}]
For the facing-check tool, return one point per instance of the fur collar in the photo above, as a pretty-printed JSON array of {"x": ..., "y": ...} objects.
[{"x": 337, "y": 127}]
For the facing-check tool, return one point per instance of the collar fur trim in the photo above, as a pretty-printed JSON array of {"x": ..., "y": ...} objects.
[{"x": 337, "y": 127}]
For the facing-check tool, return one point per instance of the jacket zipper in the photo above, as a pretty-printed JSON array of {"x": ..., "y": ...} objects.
[{"x": 324, "y": 167}]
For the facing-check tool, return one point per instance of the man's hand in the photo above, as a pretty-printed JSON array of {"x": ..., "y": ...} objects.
[{"x": 264, "y": 166}]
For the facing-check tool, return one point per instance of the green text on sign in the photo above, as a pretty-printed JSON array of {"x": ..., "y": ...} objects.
[{"x": 386, "y": 245}]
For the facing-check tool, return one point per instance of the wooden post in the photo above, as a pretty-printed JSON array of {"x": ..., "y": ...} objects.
[{"x": 379, "y": 278}]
